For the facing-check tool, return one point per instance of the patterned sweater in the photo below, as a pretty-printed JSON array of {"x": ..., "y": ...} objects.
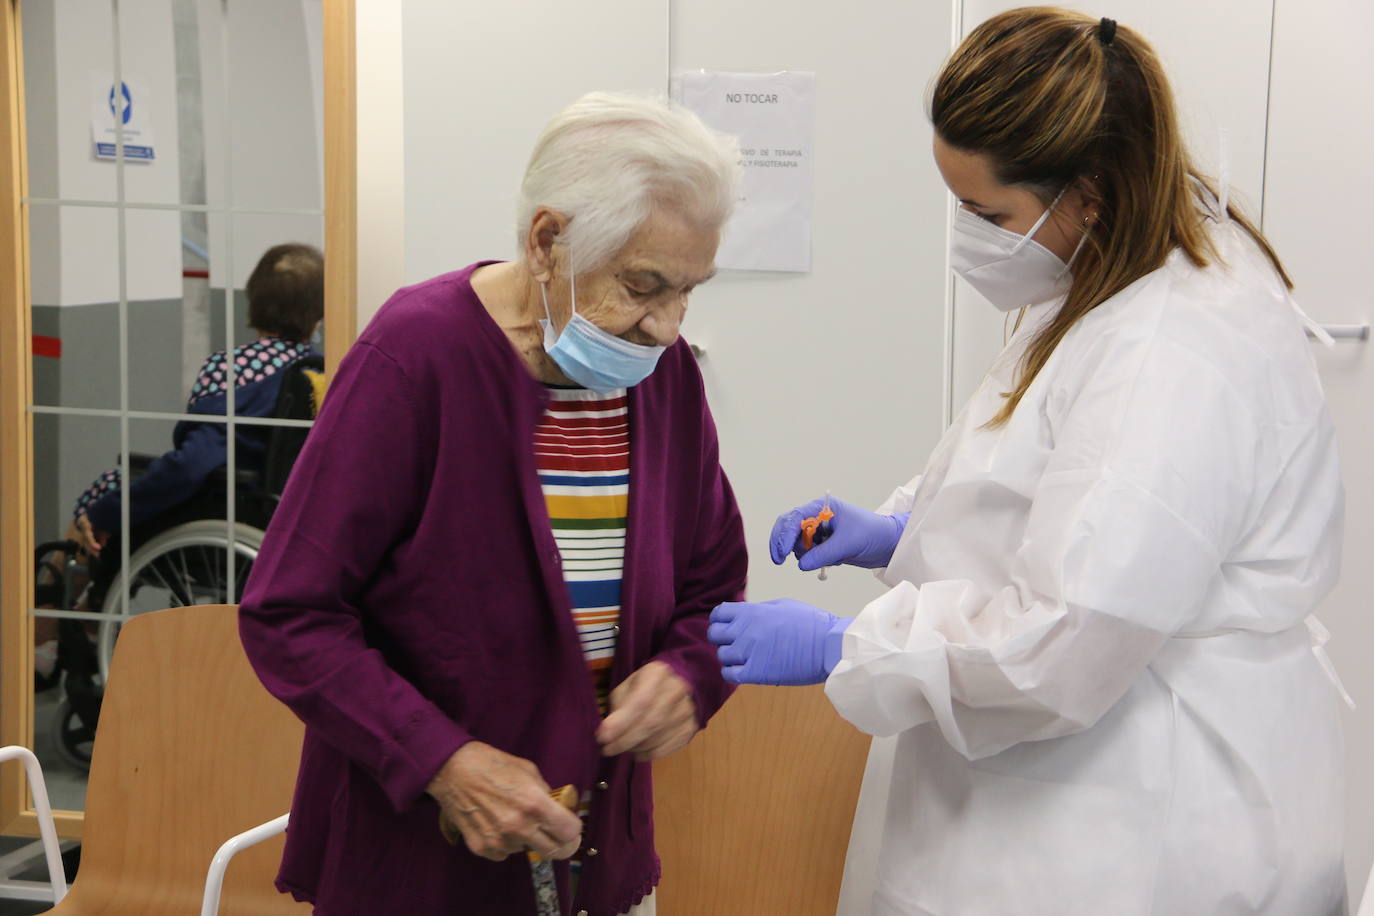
[{"x": 198, "y": 449}]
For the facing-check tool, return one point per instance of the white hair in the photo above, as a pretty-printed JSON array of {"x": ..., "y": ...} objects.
[{"x": 608, "y": 159}]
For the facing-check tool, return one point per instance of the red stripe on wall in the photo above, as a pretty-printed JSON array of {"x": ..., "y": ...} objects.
[{"x": 47, "y": 346}]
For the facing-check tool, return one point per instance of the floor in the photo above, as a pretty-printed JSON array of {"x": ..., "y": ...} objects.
[
  {"x": 37, "y": 872},
  {"x": 66, "y": 790},
  {"x": 66, "y": 783}
]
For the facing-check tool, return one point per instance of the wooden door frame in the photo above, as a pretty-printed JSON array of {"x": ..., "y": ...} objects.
[
  {"x": 16, "y": 436},
  {"x": 16, "y": 423},
  {"x": 340, "y": 180}
]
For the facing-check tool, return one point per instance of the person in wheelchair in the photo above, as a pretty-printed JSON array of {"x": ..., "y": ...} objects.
[{"x": 285, "y": 306}]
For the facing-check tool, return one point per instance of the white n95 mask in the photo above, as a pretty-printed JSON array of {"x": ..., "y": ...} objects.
[{"x": 1010, "y": 270}]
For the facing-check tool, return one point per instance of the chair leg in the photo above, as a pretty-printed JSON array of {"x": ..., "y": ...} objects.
[
  {"x": 214, "y": 879},
  {"x": 47, "y": 830}
]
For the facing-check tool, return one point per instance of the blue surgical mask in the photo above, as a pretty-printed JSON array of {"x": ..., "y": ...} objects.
[{"x": 594, "y": 358}]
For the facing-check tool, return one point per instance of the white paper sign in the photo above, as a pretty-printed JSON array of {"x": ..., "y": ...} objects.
[
  {"x": 773, "y": 115},
  {"x": 129, "y": 102}
]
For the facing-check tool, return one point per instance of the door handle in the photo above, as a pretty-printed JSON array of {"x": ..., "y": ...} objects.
[{"x": 1345, "y": 331}]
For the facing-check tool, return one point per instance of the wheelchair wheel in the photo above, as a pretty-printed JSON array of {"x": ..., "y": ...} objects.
[
  {"x": 185, "y": 565},
  {"x": 71, "y": 738}
]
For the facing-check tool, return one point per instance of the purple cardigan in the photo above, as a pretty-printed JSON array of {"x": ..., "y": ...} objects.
[{"x": 408, "y": 598}]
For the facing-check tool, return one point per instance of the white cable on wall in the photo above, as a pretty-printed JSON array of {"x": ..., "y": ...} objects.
[{"x": 956, "y": 19}]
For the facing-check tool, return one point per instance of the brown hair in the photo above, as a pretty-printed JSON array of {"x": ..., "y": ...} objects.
[
  {"x": 286, "y": 291},
  {"x": 1054, "y": 97}
]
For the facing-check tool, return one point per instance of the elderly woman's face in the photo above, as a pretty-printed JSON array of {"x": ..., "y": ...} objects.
[{"x": 641, "y": 295}]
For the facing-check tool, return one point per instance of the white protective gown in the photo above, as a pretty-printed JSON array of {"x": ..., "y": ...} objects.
[{"x": 1097, "y": 649}]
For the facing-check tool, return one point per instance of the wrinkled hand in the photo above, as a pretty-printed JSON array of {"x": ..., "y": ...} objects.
[
  {"x": 85, "y": 534},
  {"x": 501, "y": 805},
  {"x": 854, "y": 536},
  {"x": 652, "y": 715},
  {"x": 781, "y": 642}
]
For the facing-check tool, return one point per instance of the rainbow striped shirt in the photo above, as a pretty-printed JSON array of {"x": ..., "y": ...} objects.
[{"x": 582, "y": 453}]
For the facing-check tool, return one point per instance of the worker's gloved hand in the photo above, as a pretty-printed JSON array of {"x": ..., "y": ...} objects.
[
  {"x": 854, "y": 536},
  {"x": 781, "y": 642}
]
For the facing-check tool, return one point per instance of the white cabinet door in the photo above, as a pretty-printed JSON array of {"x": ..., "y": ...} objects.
[{"x": 1319, "y": 197}]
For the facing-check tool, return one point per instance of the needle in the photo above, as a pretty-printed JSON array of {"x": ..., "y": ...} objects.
[{"x": 825, "y": 511}]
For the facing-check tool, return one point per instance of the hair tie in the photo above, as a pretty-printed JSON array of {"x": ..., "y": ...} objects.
[{"x": 1106, "y": 31}]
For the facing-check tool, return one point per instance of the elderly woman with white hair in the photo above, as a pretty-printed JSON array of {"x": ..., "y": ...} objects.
[{"x": 492, "y": 569}]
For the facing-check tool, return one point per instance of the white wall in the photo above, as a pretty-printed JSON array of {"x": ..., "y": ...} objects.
[
  {"x": 312, "y": 17},
  {"x": 480, "y": 82},
  {"x": 381, "y": 165},
  {"x": 1320, "y": 184},
  {"x": 269, "y": 142},
  {"x": 271, "y": 139},
  {"x": 833, "y": 379},
  {"x": 40, "y": 60},
  {"x": 74, "y": 260},
  {"x": 272, "y": 106}
]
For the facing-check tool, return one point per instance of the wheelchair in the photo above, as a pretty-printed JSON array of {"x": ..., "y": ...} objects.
[{"x": 183, "y": 556}]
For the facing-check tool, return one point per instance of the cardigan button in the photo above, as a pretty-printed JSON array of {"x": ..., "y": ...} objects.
[
  {"x": 592, "y": 852},
  {"x": 603, "y": 785},
  {"x": 581, "y": 913},
  {"x": 615, "y": 628}
]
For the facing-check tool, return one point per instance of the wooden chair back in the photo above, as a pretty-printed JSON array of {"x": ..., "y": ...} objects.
[
  {"x": 754, "y": 816},
  {"x": 190, "y": 750}
]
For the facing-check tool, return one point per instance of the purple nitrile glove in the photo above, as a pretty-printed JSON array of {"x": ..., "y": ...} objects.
[
  {"x": 781, "y": 642},
  {"x": 854, "y": 536}
]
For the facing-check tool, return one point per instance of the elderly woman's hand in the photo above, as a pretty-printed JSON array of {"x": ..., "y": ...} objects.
[
  {"x": 85, "y": 534},
  {"x": 501, "y": 805},
  {"x": 652, "y": 715}
]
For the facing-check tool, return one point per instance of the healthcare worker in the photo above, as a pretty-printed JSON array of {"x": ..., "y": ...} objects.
[{"x": 1096, "y": 649}]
